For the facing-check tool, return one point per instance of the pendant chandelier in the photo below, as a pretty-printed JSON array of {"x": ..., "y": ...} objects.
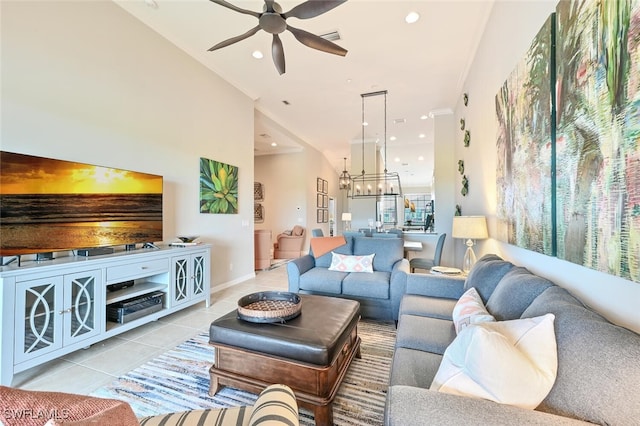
[
  {"x": 369, "y": 185},
  {"x": 344, "y": 182}
]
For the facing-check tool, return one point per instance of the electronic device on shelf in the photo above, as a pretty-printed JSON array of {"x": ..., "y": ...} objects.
[
  {"x": 134, "y": 308},
  {"x": 120, "y": 286}
]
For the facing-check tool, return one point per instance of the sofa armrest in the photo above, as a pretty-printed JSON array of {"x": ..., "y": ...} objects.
[
  {"x": 297, "y": 267},
  {"x": 276, "y": 403},
  {"x": 408, "y": 406},
  {"x": 448, "y": 287},
  {"x": 398, "y": 284}
]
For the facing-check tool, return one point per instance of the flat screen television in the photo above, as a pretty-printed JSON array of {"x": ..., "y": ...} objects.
[{"x": 49, "y": 205}]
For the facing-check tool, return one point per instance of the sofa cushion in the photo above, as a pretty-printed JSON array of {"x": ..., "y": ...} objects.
[
  {"x": 387, "y": 251},
  {"x": 322, "y": 280},
  {"x": 425, "y": 306},
  {"x": 469, "y": 310},
  {"x": 597, "y": 363},
  {"x": 408, "y": 405},
  {"x": 510, "y": 362},
  {"x": 485, "y": 275},
  {"x": 374, "y": 285},
  {"x": 515, "y": 292},
  {"x": 324, "y": 261},
  {"x": 412, "y": 367},
  {"x": 351, "y": 263},
  {"x": 424, "y": 333}
]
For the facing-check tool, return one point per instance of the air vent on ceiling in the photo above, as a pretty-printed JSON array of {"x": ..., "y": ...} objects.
[
  {"x": 399, "y": 121},
  {"x": 332, "y": 36}
]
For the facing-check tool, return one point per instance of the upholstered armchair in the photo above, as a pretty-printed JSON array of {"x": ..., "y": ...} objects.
[
  {"x": 289, "y": 243},
  {"x": 276, "y": 403}
]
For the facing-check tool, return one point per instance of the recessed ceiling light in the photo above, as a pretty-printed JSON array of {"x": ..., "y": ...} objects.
[
  {"x": 151, "y": 3},
  {"x": 412, "y": 17},
  {"x": 424, "y": 117},
  {"x": 364, "y": 123},
  {"x": 257, "y": 54},
  {"x": 392, "y": 138},
  {"x": 422, "y": 135},
  {"x": 420, "y": 158},
  {"x": 397, "y": 160},
  {"x": 274, "y": 144}
]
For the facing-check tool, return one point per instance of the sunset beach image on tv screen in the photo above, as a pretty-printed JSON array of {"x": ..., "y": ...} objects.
[{"x": 53, "y": 205}]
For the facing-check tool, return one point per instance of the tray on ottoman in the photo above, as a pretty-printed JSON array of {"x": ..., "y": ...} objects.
[{"x": 269, "y": 306}]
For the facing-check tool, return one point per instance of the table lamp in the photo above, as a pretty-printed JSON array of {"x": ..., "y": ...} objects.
[
  {"x": 470, "y": 228},
  {"x": 346, "y": 218}
]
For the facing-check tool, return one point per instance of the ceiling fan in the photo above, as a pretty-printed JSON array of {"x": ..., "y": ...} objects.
[{"x": 273, "y": 21}]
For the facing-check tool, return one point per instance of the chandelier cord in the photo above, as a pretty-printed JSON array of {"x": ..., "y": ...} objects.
[
  {"x": 363, "y": 173},
  {"x": 385, "y": 134}
]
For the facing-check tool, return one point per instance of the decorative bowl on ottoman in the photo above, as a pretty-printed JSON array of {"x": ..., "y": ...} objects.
[{"x": 269, "y": 306}]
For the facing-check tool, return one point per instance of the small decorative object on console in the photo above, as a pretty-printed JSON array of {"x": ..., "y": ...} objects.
[
  {"x": 188, "y": 239},
  {"x": 269, "y": 306}
]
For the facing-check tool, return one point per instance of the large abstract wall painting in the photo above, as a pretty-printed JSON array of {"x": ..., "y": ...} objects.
[
  {"x": 523, "y": 107},
  {"x": 594, "y": 179},
  {"x": 598, "y": 158}
]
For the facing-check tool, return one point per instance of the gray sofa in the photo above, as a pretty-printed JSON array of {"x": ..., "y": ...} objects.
[
  {"x": 598, "y": 374},
  {"x": 379, "y": 293}
]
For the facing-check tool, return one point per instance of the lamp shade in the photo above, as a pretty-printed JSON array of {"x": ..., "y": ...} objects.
[
  {"x": 470, "y": 227},
  {"x": 346, "y": 216}
]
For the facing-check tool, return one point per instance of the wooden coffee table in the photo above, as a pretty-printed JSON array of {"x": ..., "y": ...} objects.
[{"x": 310, "y": 353}]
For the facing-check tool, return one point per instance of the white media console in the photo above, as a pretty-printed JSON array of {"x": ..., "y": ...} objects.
[{"x": 53, "y": 307}]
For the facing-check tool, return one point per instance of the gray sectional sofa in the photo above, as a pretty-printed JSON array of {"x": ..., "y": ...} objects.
[
  {"x": 379, "y": 293},
  {"x": 598, "y": 374}
]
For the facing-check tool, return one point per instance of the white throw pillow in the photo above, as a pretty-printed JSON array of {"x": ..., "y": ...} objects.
[
  {"x": 469, "y": 309},
  {"x": 347, "y": 263},
  {"x": 510, "y": 362}
]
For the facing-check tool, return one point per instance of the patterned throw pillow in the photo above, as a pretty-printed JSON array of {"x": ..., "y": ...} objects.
[
  {"x": 347, "y": 263},
  {"x": 470, "y": 310}
]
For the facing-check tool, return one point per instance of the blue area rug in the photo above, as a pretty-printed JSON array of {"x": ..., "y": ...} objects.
[{"x": 178, "y": 380}]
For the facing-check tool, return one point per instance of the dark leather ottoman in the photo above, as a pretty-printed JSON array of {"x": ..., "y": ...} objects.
[{"x": 310, "y": 353}]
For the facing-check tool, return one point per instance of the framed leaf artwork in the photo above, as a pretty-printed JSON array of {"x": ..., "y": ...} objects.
[{"x": 218, "y": 187}]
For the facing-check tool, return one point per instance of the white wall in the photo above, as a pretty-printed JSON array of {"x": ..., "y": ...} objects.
[
  {"x": 87, "y": 82},
  {"x": 445, "y": 177},
  {"x": 290, "y": 190},
  {"x": 511, "y": 27}
]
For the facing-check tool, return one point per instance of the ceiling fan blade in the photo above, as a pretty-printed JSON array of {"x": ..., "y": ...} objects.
[
  {"x": 235, "y": 39},
  {"x": 236, "y": 8},
  {"x": 312, "y": 8},
  {"x": 277, "y": 51},
  {"x": 316, "y": 42}
]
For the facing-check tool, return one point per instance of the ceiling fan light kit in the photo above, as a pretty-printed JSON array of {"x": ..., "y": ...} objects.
[{"x": 274, "y": 21}]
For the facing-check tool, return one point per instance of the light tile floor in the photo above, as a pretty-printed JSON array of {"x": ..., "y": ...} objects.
[{"x": 86, "y": 370}]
